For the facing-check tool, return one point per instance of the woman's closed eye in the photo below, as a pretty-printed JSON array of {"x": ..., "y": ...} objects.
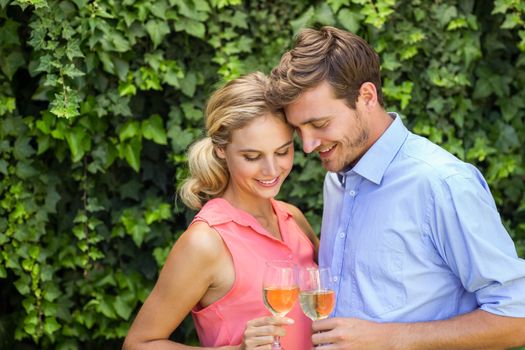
[
  {"x": 252, "y": 158},
  {"x": 283, "y": 153}
]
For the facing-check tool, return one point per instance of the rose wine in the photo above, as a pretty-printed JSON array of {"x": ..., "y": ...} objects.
[
  {"x": 280, "y": 300},
  {"x": 317, "y": 304}
]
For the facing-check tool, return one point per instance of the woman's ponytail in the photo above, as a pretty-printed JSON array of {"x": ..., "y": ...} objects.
[{"x": 208, "y": 175}]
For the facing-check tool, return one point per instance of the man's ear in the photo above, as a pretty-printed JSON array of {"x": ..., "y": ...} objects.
[
  {"x": 219, "y": 151},
  {"x": 368, "y": 94}
]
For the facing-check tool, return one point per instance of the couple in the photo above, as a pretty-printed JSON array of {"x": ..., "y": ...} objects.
[{"x": 420, "y": 257}]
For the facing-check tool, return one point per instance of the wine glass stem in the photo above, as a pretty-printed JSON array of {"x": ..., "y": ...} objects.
[{"x": 276, "y": 345}]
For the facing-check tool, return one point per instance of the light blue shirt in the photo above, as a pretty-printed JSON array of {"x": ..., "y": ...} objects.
[{"x": 414, "y": 235}]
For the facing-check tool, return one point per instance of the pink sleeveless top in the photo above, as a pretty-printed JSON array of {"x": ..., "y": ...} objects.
[{"x": 223, "y": 322}]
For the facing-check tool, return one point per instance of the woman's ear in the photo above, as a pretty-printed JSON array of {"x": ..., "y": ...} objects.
[{"x": 219, "y": 151}]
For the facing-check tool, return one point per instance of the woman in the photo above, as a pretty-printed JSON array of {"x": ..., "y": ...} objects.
[{"x": 215, "y": 268}]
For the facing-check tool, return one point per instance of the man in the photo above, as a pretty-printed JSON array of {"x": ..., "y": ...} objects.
[{"x": 412, "y": 235}]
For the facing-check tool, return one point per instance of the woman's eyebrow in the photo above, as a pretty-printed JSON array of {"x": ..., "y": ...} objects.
[{"x": 255, "y": 150}]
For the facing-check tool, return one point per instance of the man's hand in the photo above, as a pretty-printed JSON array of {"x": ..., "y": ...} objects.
[{"x": 353, "y": 333}]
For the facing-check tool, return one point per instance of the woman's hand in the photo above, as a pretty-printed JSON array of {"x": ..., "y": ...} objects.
[{"x": 259, "y": 332}]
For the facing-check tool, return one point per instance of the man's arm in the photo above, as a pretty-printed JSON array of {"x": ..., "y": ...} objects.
[{"x": 475, "y": 330}]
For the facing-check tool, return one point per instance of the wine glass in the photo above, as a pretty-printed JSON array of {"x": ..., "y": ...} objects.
[
  {"x": 280, "y": 290},
  {"x": 317, "y": 297}
]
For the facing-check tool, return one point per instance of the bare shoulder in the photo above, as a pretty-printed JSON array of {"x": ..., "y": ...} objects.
[{"x": 200, "y": 241}]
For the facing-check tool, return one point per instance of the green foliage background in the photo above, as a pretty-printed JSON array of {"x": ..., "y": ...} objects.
[{"x": 99, "y": 100}]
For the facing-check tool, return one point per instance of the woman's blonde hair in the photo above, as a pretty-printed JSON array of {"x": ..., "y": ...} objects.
[{"x": 230, "y": 108}]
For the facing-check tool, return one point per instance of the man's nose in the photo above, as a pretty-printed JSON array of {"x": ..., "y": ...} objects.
[{"x": 310, "y": 143}]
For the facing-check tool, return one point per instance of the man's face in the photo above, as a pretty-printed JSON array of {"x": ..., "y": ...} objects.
[{"x": 328, "y": 126}]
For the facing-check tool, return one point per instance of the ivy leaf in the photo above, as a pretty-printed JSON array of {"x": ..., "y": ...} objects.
[
  {"x": 390, "y": 62},
  {"x": 189, "y": 84},
  {"x": 3, "y": 167},
  {"x": 22, "y": 285},
  {"x": 127, "y": 89},
  {"x": 9, "y": 33},
  {"x": 162, "y": 212},
  {"x": 121, "y": 68},
  {"x": 191, "y": 27},
  {"x": 71, "y": 71},
  {"x": 324, "y": 14},
  {"x": 11, "y": 62},
  {"x": 153, "y": 129},
  {"x": 120, "y": 43},
  {"x": 500, "y": 6},
  {"x": 25, "y": 170},
  {"x": 239, "y": 20},
  {"x": 350, "y": 20},
  {"x": 135, "y": 226},
  {"x": 202, "y": 5},
  {"x": 122, "y": 308},
  {"x": 23, "y": 148},
  {"x": 76, "y": 139},
  {"x": 66, "y": 104},
  {"x": 51, "y": 325},
  {"x": 157, "y": 30},
  {"x": 223, "y": 3},
  {"x": 511, "y": 20},
  {"x": 52, "y": 198},
  {"x": 7, "y": 105},
  {"x": 180, "y": 139},
  {"x": 304, "y": 20},
  {"x": 131, "y": 152},
  {"x": 73, "y": 49},
  {"x": 189, "y": 10},
  {"x": 159, "y": 8},
  {"x": 129, "y": 130},
  {"x": 446, "y": 14},
  {"x": 106, "y": 307},
  {"x": 336, "y": 4}
]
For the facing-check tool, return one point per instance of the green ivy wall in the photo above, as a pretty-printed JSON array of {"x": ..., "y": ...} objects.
[{"x": 99, "y": 100}]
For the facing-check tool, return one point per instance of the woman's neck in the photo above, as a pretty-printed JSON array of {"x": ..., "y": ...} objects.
[{"x": 257, "y": 207}]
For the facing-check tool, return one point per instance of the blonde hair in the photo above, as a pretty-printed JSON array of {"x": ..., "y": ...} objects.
[{"x": 230, "y": 108}]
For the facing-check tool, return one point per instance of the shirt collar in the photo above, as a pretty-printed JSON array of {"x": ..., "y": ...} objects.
[
  {"x": 372, "y": 166},
  {"x": 224, "y": 212}
]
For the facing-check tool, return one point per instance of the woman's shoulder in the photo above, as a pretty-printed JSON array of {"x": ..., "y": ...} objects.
[{"x": 202, "y": 240}]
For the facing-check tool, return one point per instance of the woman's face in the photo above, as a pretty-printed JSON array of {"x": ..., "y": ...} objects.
[{"x": 259, "y": 157}]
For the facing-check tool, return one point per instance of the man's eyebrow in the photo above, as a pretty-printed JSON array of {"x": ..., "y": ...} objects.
[
  {"x": 314, "y": 119},
  {"x": 255, "y": 150}
]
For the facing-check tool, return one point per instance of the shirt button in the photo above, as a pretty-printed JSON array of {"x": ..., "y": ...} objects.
[
  {"x": 342, "y": 234},
  {"x": 336, "y": 278},
  {"x": 352, "y": 193}
]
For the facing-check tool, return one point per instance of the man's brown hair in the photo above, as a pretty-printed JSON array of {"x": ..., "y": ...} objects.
[{"x": 342, "y": 58}]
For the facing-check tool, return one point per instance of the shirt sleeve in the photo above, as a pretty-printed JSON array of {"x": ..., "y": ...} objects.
[{"x": 471, "y": 239}]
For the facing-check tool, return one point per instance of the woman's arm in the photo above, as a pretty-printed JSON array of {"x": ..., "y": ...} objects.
[{"x": 186, "y": 277}]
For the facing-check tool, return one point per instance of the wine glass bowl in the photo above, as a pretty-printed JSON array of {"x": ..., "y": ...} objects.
[
  {"x": 280, "y": 300},
  {"x": 280, "y": 290},
  {"x": 317, "y": 297}
]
